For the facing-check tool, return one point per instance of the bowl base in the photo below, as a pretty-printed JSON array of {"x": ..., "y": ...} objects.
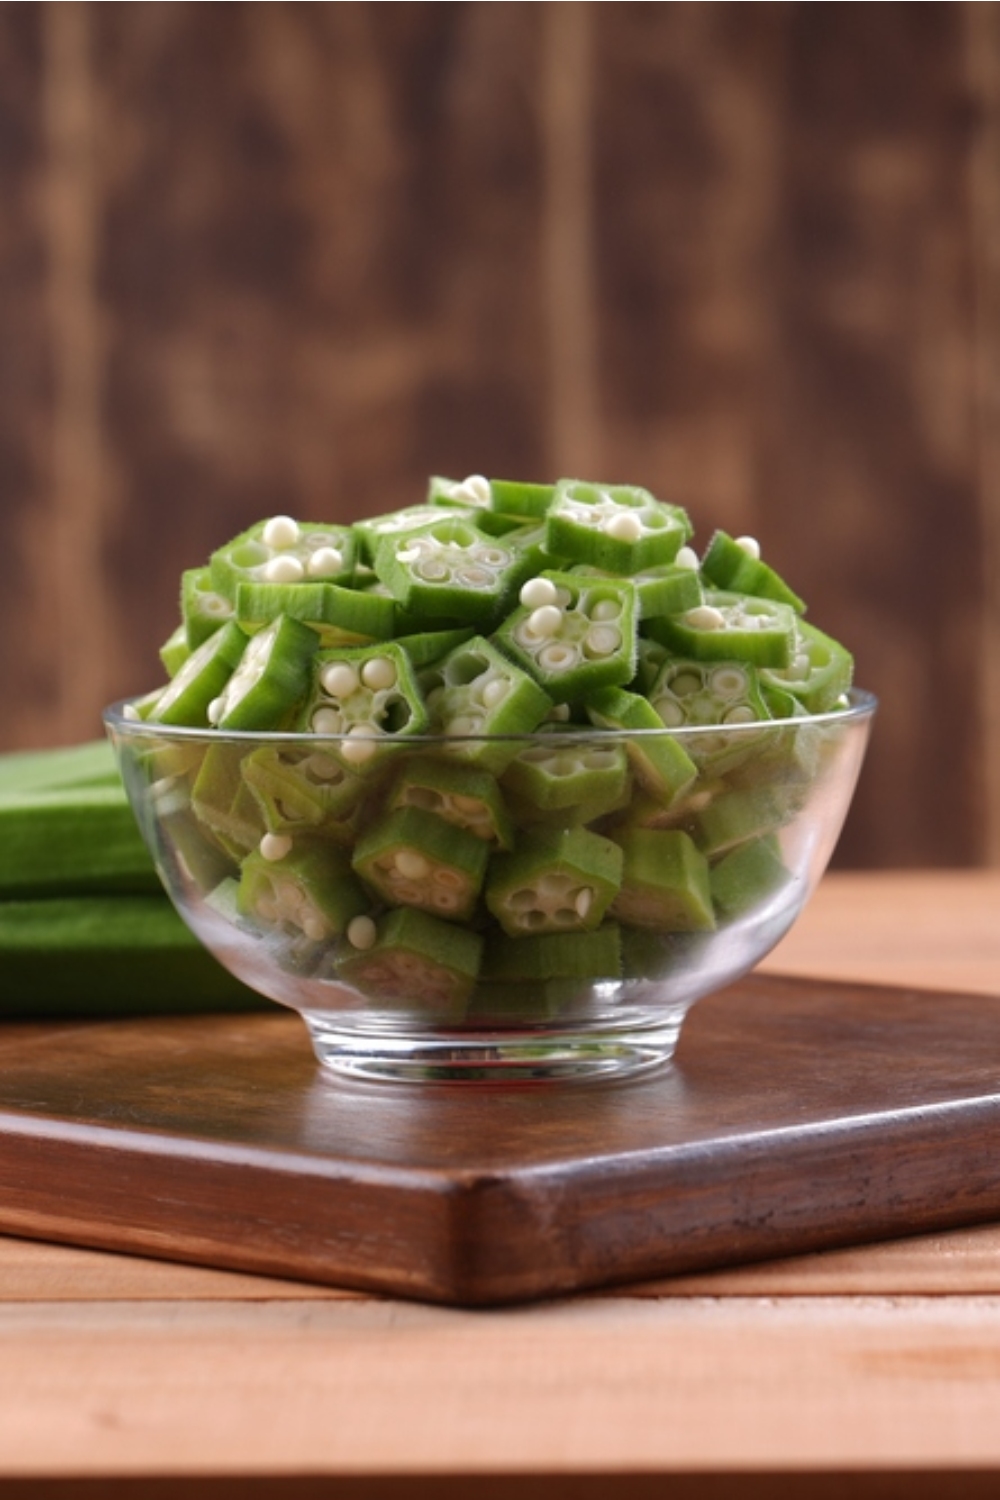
[{"x": 498, "y": 1056}]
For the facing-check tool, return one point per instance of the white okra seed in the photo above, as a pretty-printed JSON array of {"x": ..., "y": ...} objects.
[
  {"x": 362, "y": 933},
  {"x": 584, "y": 900},
  {"x": 476, "y": 487},
  {"x": 360, "y": 745},
  {"x": 538, "y": 591},
  {"x": 495, "y": 691},
  {"x": 327, "y": 721},
  {"x": 285, "y": 568},
  {"x": 274, "y": 846},
  {"x": 379, "y": 673},
  {"x": 749, "y": 545},
  {"x": 314, "y": 927},
  {"x": 623, "y": 527},
  {"x": 687, "y": 557},
  {"x": 743, "y": 714},
  {"x": 545, "y": 621},
  {"x": 705, "y": 617},
  {"x": 412, "y": 865},
  {"x": 606, "y": 609},
  {"x": 339, "y": 680},
  {"x": 215, "y": 710},
  {"x": 603, "y": 640},
  {"x": 280, "y": 532},
  {"x": 325, "y": 562}
]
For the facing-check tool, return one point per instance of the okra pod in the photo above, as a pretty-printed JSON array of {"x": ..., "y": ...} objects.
[
  {"x": 411, "y": 857},
  {"x": 574, "y": 634},
  {"x": 555, "y": 881},
  {"x": 618, "y": 527},
  {"x": 410, "y": 958}
]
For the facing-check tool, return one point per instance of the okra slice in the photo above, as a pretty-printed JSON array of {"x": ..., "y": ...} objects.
[
  {"x": 480, "y": 700},
  {"x": 819, "y": 673},
  {"x": 570, "y": 773},
  {"x": 223, "y": 802},
  {"x": 528, "y": 502},
  {"x": 573, "y": 634},
  {"x": 730, "y": 627},
  {"x": 414, "y": 858},
  {"x": 340, "y": 616},
  {"x": 665, "y": 882},
  {"x": 450, "y": 570},
  {"x": 736, "y": 816},
  {"x": 302, "y": 887},
  {"x": 370, "y": 531},
  {"x": 283, "y": 550},
  {"x": 428, "y": 646},
  {"x": 618, "y": 527},
  {"x": 188, "y": 697},
  {"x": 301, "y": 789},
  {"x": 203, "y": 608},
  {"x": 541, "y": 956},
  {"x": 358, "y": 697},
  {"x": 411, "y": 958},
  {"x": 734, "y": 564},
  {"x": 747, "y": 876},
  {"x": 175, "y": 651},
  {"x": 689, "y": 694},
  {"x": 660, "y": 762},
  {"x": 271, "y": 680},
  {"x": 466, "y": 796},
  {"x": 669, "y": 590},
  {"x": 555, "y": 881}
]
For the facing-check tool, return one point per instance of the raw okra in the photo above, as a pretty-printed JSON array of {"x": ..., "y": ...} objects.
[
  {"x": 281, "y": 550},
  {"x": 747, "y": 876},
  {"x": 224, "y": 803},
  {"x": 68, "y": 840},
  {"x": 450, "y": 570},
  {"x": 547, "y": 956},
  {"x": 819, "y": 673},
  {"x": 187, "y": 698},
  {"x": 175, "y": 651},
  {"x": 554, "y": 882},
  {"x": 574, "y": 634},
  {"x": 476, "y": 697},
  {"x": 735, "y": 565},
  {"x": 300, "y": 886},
  {"x": 668, "y": 590},
  {"x": 305, "y": 789},
  {"x": 694, "y": 694},
  {"x": 203, "y": 609},
  {"x": 618, "y": 527},
  {"x": 358, "y": 697},
  {"x": 566, "y": 774},
  {"x": 661, "y": 764},
  {"x": 412, "y": 958},
  {"x": 414, "y": 858},
  {"x": 466, "y": 796},
  {"x": 665, "y": 882},
  {"x": 340, "y": 616},
  {"x": 269, "y": 680},
  {"x": 730, "y": 627}
]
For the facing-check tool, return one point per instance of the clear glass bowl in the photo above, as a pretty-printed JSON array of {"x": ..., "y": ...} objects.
[{"x": 445, "y": 959}]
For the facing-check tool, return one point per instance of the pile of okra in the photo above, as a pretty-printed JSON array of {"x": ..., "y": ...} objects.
[{"x": 406, "y": 841}]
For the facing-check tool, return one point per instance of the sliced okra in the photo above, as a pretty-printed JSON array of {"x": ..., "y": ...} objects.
[
  {"x": 300, "y": 887},
  {"x": 414, "y": 858},
  {"x": 203, "y": 608},
  {"x": 372, "y": 529},
  {"x": 224, "y": 803},
  {"x": 564, "y": 772},
  {"x": 466, "y": 796},
  {"x": 188, "y": 697},
  {"x": 543, "y": 956},
  {"x": 730, "y": 627},
  {"x": 412, "y": 957},
  {"x": 175, "y": 651},
  {"x": 271, "y": 679},
  {"x": 661, "y": 764},
  {"x": 473, "y": 497},
  {"x": 573, "y": 634},
  {"x": 555, "y": 881},
  {"x": 691, "y": 694},
  {"x": 428, "y": 646},
  {"x": 738, "y": 815},
  {"x": 734, "y": 564},
  {"x": 747, "y": 876},
  {"x": 340, "y": 616},
  {"x": 819, "y": 673},
  {"x": 618, "y": 527},
  {"x": 283, "y": 550},
  {"x": 528, "y": 502},
  {"x": 358, "y": 697},
  {"x": 668, "y": 590},
  {"x": 480, "y": 701},
  {"x": 665, "y": 882},
  {"x": 450, "y": 570},
  {"x": 305, "y": 789}
]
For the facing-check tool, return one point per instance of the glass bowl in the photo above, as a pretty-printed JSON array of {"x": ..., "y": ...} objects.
[{"x": 525, "y": 908}]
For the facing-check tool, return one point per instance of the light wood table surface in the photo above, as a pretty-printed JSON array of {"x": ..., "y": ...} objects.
[{"x": 123, "y": 1376}]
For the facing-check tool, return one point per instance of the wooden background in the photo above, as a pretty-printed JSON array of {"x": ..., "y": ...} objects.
[{"x": 260, "y": 257}]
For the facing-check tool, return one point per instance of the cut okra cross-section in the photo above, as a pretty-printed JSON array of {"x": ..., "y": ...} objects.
[
  {"x": 573, "y": 633},
  {"x": 690, "y": 694},
  {"x": 618, "y": 527},
  {"x": 730, "y": 627},
  {"x": 555, "y": 881},
  {"x": 414, "y": 858},
  {"x": 301, "y": 789},
  {"x": 411, "y": 958},
  {"x": 665, "y": 884},
  {"x": 464, "y": 795},
  {"x": 188, "y": 697},
  {"x": 358, "y": 697},
  {"x": 281, "y": 550},
  {"x": 301, "y": 887},
  {"x": 480, "y": 700},
  {"x": 450, "y": 570},
  {"x": 574, "y": 778}
]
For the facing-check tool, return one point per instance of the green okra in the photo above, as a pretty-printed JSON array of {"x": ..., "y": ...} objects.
[
  {"x": 668, "y": 590},
  {"x": 661, "y": 764},
  {"x": 566, "y": 773},
  {"x": 370, "y": 531},
  {"x": 466, "y": 796},
  {"x": 555, "y": 881},
  {"x": 101, "y": 955},
  {"x": 175, "y": 651},
  {"x": 735, "y": 565},
  {"x": 358, "y": 696},
  {"x": 300, "y": 789},
  {"x": 224, "y": 803},
  {"x": 450, "y": 570},
  {"x": 730, "y": 627},
  {"x": 735, "y": 816},
  {"x": 475, "y": 697},
  {"x": 724, "y": 695},
  {"x": 411, "y": 857},
  {"x": 411, "y": 958},
  {"x": 340, "y": 616},
  {"x": 283, "y": 550},
  {"x": 203, "y": 609},
  {"x": 547, "y": 956},
  {"x": 665, "y": 882},
  {"x": 428, "y": 646},
  {"x": 198, "y": 682},
  {"x": 301, "y": 886},
  {"x": 819, "y": 673},
  {"x": 618, "y": 527},
  {"x": 270, "y": 679},
  {"x": 574, "y": 634},
  {"x": 71, "y": 840},
  {"x": 748, "y": 875},
  {"x": 91, "y": 763},
  {"x": 528, "y": 502}
]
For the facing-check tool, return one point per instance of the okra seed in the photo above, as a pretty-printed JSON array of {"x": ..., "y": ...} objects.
[
  {"x": 606, "y": 609},
  {"x": 362, "y": 933},
  {"x": 728, "y": 682},
  {"x": 379, "y": 673},
  {"x": 495, "y": 691},
  {"x": 687, "y": 557},
  {"x": 412, "y": 865},
  {"x": 432, "y": 570},
  {"x": 545, "y": 621},
  {"x": 323, "y": 768},
  {"x": 274, "y": 846},
  {"x": 584, "y": 901},
  {"x": 327, "y": 721},
  {"x": 564, "y": 598},
  {"x": 685, "y": 683},
  {"x": 325, "y": 562},
  {"x": 705, "y": 617},
  {"x": 315, "y": 928},
  {"x": 215, "y": 710},
  {"x": 477, "y": 487},
  {"x": 339, "y": 680},
  {"x": 474, "y": 578},
  {"x": 537, "y": 592},
  {"x": 285, "y": 568},
  {"x": 749, "y": 545},
  {"x": 603, "y": 640},
  {"x": 743, "y": 714},
  {"x": 623, "y": 527},
  {"x": 466, "y": 804},
  {"x": 280, "y": 532},
  {"x": 558, "y": 657},
  {"x": 670, "y": 712},
  {"x": 360, "y": 743}
]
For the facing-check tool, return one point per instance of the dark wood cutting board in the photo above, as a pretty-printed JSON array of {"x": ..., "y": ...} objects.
[{"x": 797, "y": 1115}]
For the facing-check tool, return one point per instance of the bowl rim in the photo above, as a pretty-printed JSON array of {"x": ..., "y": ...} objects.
[{"x": 861, "y": 705}]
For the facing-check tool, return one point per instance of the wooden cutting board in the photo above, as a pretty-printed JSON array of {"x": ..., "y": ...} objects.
[{"x": 797, "y": 1115}]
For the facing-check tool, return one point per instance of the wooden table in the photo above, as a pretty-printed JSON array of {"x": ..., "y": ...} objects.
[{"x": 125, "y": 1377}]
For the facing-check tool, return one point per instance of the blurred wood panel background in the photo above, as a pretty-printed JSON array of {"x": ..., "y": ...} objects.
[{"x": 261, "y": 257}]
